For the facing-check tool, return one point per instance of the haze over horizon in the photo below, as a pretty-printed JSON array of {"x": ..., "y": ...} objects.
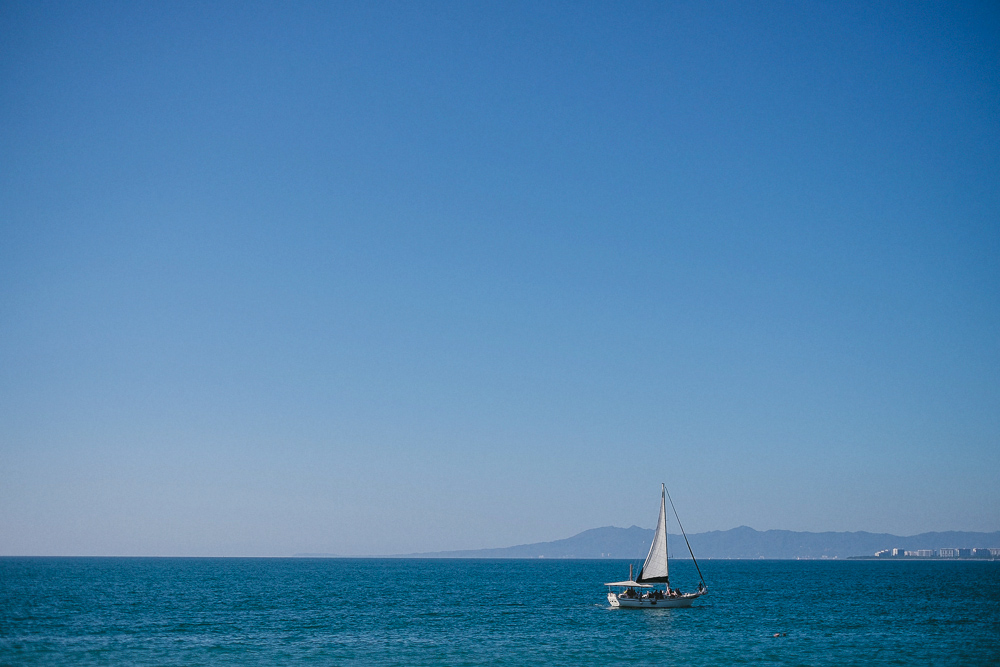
[{"x": 376, "y": 277}]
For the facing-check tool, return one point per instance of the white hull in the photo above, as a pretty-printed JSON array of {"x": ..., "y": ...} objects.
[{"x": 652, "y": 603}]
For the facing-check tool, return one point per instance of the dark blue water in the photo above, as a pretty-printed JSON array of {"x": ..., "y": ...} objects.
[{"x": 485, "y": 612}]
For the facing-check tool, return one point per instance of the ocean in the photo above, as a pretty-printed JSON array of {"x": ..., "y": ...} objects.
[{"x": 245, "y": 611}]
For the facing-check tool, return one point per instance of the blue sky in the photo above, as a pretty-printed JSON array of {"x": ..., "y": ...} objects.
[{"x": 388, "y": 277}]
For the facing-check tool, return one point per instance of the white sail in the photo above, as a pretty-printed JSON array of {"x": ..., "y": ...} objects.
[{"x": 655, "y": 567}]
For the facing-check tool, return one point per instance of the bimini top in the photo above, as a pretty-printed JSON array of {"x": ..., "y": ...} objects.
[{"x": 633, "y": 584}]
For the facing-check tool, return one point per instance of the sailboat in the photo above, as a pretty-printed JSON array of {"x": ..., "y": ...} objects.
[{"x": 651, "y": 589}]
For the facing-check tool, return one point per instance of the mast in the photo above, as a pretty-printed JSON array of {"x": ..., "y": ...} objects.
[{"x": 663, "y": 508}]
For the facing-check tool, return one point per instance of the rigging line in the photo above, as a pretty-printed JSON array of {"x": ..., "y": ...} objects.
[{"x": 684, "y": 534}]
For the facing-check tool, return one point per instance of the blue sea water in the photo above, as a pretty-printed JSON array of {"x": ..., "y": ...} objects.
[{"x": 192, "y": 611}]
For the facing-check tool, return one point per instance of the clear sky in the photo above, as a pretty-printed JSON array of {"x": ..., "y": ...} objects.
[{"x": 389, "y": 277}]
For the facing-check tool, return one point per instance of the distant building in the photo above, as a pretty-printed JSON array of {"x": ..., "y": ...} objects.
[
  {"x": 965, "y": 553},
  {"x": 898, "y": 552},
  {"x": 981, "y": 553},
  {"x": 883, "y": 554},
  {"x": 922, "y": 553},
  {"x": 995, "y": 552},
  {"x": 948, "y": 553}
]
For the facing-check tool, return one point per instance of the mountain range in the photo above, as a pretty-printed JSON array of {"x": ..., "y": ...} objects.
[{"x": 742, "y": 542}]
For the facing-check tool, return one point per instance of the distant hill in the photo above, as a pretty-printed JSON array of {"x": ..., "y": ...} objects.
[
  {"x": 609, "y": 542},
  {"x": 742, "y": 542}
]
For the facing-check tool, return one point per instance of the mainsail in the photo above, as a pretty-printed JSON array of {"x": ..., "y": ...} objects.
[{"x": 654, "y": 570}]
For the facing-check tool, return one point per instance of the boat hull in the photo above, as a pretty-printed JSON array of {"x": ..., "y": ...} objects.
[{"x": 652, "y": 603}]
